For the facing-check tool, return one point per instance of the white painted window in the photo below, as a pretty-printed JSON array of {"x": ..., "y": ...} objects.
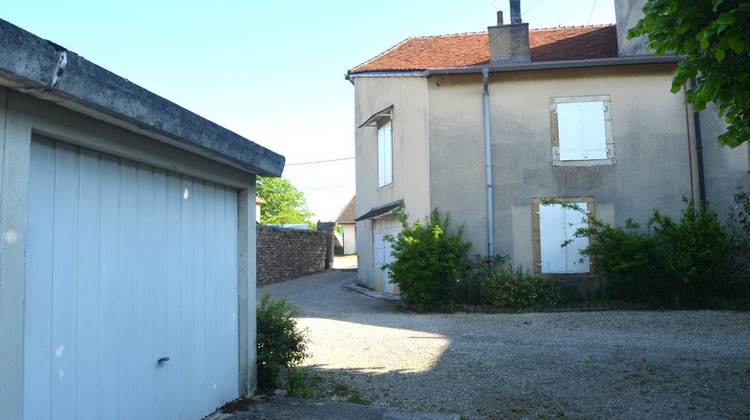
[
  {"x": 582, "y": 130},
  {"x": 385, "y": 155},
  {"x": 557, "y": 225}
]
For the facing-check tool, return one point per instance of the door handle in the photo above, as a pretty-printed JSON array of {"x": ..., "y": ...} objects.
[{"x": 162, "y": 360}]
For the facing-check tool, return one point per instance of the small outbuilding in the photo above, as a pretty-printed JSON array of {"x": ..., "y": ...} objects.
[
  {"x": 348, "y": 224},
  {"x": 127, "y": 258}
]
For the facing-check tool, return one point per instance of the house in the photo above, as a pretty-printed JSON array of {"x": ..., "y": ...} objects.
[
  {"x": 346, "y": 220},
  {"x": 258, "y": 203},
  {"x": 486, "y": 125},
  {"x": 127, "y": 261}
]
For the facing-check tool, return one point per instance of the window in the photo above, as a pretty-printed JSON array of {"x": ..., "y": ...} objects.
[
  {"x": 581, "y": 129},
  {"x": 555, "y": 225},
  {"x": 385, "y": 154}
]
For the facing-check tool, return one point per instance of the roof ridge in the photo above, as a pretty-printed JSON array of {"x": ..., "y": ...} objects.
[
  {"x": 552, "y": 28},
  {"x": 449, "y": 35}
]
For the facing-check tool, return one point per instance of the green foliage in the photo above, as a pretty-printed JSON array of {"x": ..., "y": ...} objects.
[
  {"x": 280, "y": 343},
  {"x": 428, "y": 260},
  {"x": 285, "y": 204},
  {"x": 515, "y": 288},
  {"x": 694, "y": 262},
  {"x": 476, "y": 273},
  {"x": 713, "y": 36}
]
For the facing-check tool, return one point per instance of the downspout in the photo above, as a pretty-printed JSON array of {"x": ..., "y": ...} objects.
[
  {"x": 488, "y": 163},
  {"x": 699, "y": 149}
]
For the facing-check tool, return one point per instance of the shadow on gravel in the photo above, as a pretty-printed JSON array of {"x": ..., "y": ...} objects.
[{"x": 617, "y": 364}]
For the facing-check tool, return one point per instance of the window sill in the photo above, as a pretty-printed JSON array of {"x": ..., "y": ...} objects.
[{"x": 591, "y": 162}]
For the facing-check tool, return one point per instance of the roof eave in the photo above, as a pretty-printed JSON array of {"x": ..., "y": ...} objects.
[
  {"x": 47, "y": 71},
  {"x": 524, "y": 66}
]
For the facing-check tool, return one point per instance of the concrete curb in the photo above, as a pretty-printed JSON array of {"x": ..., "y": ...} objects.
[{"x": 372, "y": 293}]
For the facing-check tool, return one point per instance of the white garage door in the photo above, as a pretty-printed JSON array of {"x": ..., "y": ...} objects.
[{"x": 127, "y": 264}]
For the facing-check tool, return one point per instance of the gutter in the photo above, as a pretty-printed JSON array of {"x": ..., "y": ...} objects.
[
  {"x": 523, "y": 66},
  {"x": 699, "y": 150},
  {"x": 488, "y": 164}
]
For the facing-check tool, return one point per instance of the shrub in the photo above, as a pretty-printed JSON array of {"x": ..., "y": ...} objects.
[
  {"x": 694, "y": 262},
  {"x": 476, "y": 273},
  {"x": 699, "y": 255},
  {"x": 631, "y": 262},
  {"x": 280, "y": 343},
  {"x": 428, "y": 260},
  {"x": 518, "y": 289}
]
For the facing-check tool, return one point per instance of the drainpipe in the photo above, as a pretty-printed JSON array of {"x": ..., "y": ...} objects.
[
  {"x": 488, "y": 162},
  {"x": 699, "y": 149}
]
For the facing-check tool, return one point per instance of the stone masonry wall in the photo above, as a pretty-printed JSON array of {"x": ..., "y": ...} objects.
[{"x": 284, "y": 254}]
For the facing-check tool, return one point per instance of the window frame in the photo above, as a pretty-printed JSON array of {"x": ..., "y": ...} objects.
[{"x": 555, "y": 135}]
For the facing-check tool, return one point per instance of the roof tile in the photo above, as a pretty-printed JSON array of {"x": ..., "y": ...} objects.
[{"x": 472, "y": 49}]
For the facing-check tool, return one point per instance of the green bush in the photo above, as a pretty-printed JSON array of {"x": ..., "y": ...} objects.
[
  {"x": 280, "y": 343},
  {"x": 428, "y": 260},
  {"x": 695, "y": 262},
  {"x": 699, "y": 256},
  {"x": 476, "y": 273},
  {"x": 515, "y": 288}
]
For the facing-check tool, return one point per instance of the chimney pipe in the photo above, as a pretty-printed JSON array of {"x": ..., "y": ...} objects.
[
  {"x": 515, "y": 12},
  {"x": 500, "y": 18}
]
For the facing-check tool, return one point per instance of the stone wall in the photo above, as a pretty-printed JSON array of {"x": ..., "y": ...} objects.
[{"x": 284, "y": 254}]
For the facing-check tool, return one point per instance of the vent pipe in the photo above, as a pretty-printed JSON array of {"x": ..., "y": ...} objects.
[{"x": 515, "y": 12}]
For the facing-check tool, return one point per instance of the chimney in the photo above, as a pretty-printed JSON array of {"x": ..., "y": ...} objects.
[
  {"x": 515, "y": 12},
  {"x": 510, "y": 43}
]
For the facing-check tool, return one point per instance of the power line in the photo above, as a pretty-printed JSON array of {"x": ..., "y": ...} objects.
[
  {"x": 315, "y": 162},
  {"x": 591, "y": 12}
]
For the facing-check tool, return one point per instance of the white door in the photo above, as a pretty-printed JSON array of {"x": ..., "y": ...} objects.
[
  {"x": 127, "y": 265},
  {"x": 383, "y": 255}
]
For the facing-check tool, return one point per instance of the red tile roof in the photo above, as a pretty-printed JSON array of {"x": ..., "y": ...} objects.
[
  {"x": 472, "y": 49},
  {"x": 348, "y": 213}
]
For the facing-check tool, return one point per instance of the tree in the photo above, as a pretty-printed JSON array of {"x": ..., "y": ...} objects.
[
  {"x": 713, "y": 37},
  {"x": 285, "y": 204}
]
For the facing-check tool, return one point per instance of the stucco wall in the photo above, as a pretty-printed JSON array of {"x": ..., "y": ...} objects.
[
  {"x": 284, "y": 254},
  {"x": 407, "y": 96},
  {"x": 627, "y": 14},
  {"x": 655, "y": 158}
]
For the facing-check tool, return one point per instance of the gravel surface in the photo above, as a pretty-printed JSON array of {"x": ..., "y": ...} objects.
[{"x": 607, "y": 364}]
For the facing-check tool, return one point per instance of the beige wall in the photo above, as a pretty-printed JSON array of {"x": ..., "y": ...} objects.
[
  {"x": 408, "y": 98},
  {"x": 653, "y": 157}
]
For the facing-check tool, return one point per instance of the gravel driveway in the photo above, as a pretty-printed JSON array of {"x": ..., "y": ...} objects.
[{"x": 614, "y": 365}]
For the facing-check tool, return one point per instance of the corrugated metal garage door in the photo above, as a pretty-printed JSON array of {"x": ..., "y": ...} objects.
[{"x": 127, "y": 264}]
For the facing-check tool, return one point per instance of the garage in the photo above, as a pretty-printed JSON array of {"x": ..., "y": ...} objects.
[
  {"x": 139, "y": 268},
  {"x": 127, "y": 246}
]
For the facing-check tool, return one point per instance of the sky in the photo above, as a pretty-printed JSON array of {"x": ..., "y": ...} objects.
[{"x": 271, "y": 71}]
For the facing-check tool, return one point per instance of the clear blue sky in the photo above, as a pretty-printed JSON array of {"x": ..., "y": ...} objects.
[{"x": 272, "y": 71}]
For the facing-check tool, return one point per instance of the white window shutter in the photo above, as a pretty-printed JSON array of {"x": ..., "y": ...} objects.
[
  {"x": 581, "y": 130},
  {"x": 569, "y": 131},
  {"x": 385, "y": 155},
  {"x": 573, "y": 221},
  {"x": 593, "y": 134},
  {"x": 552, "y": 235},
  {"x": 557, "y": 225}
]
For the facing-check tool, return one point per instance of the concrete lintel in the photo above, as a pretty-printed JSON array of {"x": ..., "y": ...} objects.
[{"x": 48, "y": 71}]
